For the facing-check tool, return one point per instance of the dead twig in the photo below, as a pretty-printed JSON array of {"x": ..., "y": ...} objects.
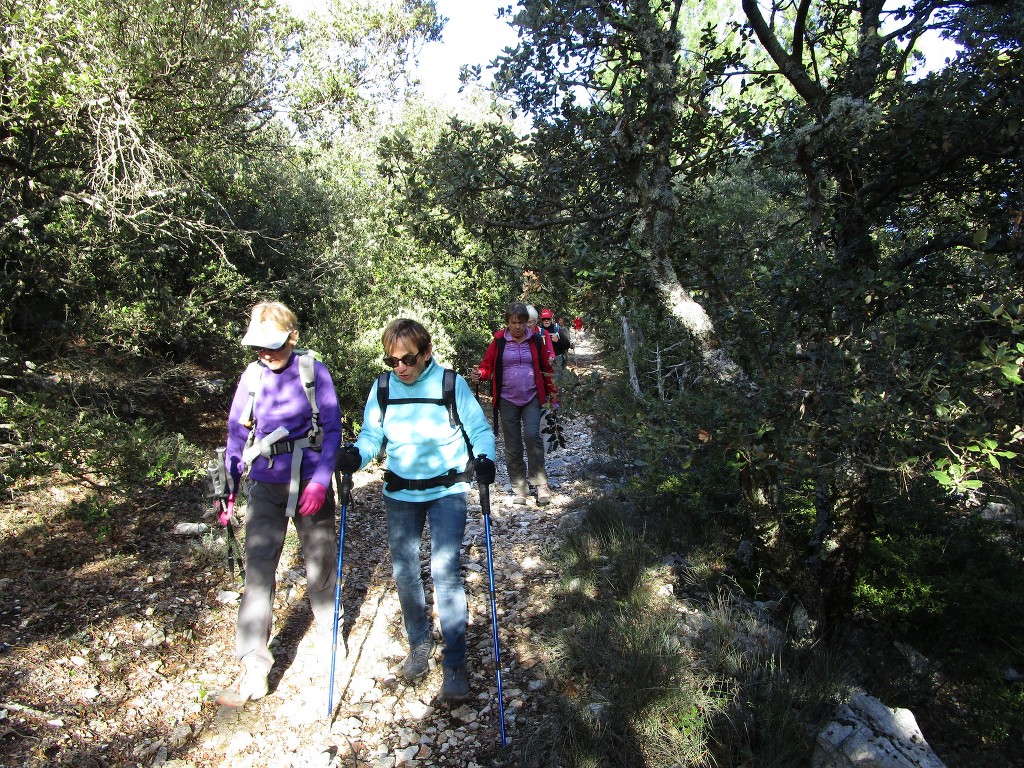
[{"x": 27, "y": 710}]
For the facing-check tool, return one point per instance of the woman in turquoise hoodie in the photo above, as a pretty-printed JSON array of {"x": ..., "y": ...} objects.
[{"x": 430, "y": 462}]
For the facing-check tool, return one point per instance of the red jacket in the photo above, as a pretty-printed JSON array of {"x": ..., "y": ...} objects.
[
  {"x": 543, "y": 374},
  {"x": 549, "y": 345}
]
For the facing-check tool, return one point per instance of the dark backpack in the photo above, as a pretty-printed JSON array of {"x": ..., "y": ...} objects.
[
  {"x": 564, "y": 342},
  {"x": 447, "y": 400}
]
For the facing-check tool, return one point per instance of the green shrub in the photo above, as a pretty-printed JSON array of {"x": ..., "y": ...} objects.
[
  {"x": 778, "y": 707},
  {"x": 52, "y": 434},
  {"x": 613, "y": 636},
  {"x": 943, "y": 582}
]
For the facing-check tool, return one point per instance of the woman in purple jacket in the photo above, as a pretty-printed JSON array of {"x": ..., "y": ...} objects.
[{"x": 285, "y": 451}]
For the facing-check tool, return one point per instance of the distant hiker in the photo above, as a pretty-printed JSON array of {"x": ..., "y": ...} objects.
[
  {"x": 577, "y": 325},
  {"x": 520, "y": 372},
  {"x": 533, "y": 318},
  {"x": 559, "y": 333},
  {"x": 569, "y": 337},
  {"x": 548, "y": 325},
  {"x": 430, "y": 462},
  {"x": 284, "y": 430}
]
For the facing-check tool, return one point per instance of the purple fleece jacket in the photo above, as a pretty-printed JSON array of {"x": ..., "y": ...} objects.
[{"x": 282, "y": 403}]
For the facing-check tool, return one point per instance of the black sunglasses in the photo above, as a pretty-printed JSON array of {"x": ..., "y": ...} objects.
[{"x": 409, "y": 360}]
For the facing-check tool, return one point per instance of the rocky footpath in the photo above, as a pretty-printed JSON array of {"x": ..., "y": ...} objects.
[{"x": 116, "y": 638}]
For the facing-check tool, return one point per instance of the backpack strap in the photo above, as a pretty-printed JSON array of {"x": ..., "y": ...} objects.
[
  {"x": 448, "y": 394},
  {"x": 383, "y": 391},
  {"x": 448, "y": 397},
  {"x": 307, "y": 376},
  {"x": 447, "y": 400},
  {"x": 253, "y": 380}
]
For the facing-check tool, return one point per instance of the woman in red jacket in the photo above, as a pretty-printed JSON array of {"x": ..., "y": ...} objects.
[{"x": 517, "y": 365}]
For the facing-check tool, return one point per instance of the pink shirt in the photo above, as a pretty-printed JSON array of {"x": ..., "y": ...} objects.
[{"x": 518, "y": 384}]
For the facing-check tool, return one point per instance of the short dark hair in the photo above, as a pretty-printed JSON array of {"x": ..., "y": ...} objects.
[
  {"x": 517, "y": 310},
  {"x": 404, "y": 329}
]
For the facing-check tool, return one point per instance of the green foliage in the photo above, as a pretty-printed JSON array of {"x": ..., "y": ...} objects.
[
  {"x": 688, "y": 506},
  {"x": 107, "y": 206},
  {"x": 613, "y": 640},
  {"x": 372, "y": 270},
  {"x": 779, "y": 706},
  {"x": 356, "y": 56},
  {"x": 945, "y": 582},
  {"x": 837, "y": 216},
  {"x": 997, "y": 709},
  {"x": 632, "y": 694},
  {"x": 113, "y": 455},
  {"x": 96, "y": 511}
]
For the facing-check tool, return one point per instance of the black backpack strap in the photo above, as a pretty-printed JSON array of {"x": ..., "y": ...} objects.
[
  {"x": 383, "y": 390},
  {"x": 448, "y": 395},
  {"x": 384, "y": 397},
  {"x": 447, "y": 400}
]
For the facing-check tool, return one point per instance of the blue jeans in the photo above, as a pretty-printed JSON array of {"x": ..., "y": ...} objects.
[
  {"x": 447, "y": 517},
  {"x": 521, "y": 423}
]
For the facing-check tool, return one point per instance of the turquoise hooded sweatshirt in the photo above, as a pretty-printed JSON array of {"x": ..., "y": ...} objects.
[{"x": 421, "y": 443}]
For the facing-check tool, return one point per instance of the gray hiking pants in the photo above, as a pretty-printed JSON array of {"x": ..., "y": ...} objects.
[
  {"x": 522, "y": 423},
  {"x": 265, "y": 527}
]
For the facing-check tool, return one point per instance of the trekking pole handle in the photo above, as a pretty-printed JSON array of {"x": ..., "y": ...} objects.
[
  {"x": 345, "y": 491},
  {"x": 485, "y": 499},
  {"x": 211, "y": 473},
  {"x": 218, "y": 473}
]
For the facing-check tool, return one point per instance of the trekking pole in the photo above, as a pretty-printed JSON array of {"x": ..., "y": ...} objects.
[
  {"x": 233, "y": 548},
  {"x": 217, "y": 471},
  {"x": 485, "y": 505},
  {"x": 345, "y": 493}
]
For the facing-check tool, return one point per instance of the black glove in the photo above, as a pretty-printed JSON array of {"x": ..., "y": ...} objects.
[
  {"x": 484, "y": 470},
  {"x": 349, "y": 460}
]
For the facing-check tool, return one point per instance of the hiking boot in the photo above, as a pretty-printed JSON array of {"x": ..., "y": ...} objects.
[
  {"x": 455, "y": 687},
  {"x": 519, "y": 500},
  {"x": 543, "y": 494},
  {"x": 250, "y": 685},
  {"x": 417, "y": 663}
]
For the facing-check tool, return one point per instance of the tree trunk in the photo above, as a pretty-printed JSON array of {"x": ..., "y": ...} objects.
[
  {"x": 693, "y": 317},
  {"x": 647, "y": 154},
  {"x": 627, "y": 335}
]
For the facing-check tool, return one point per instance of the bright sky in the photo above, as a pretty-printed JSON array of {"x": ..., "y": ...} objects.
[{"x": 473, "y": 35}]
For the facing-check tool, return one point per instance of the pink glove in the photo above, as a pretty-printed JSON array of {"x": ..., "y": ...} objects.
[
  {"x": 312, "y": 499},
  {"x": 227, "y": 511}
]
